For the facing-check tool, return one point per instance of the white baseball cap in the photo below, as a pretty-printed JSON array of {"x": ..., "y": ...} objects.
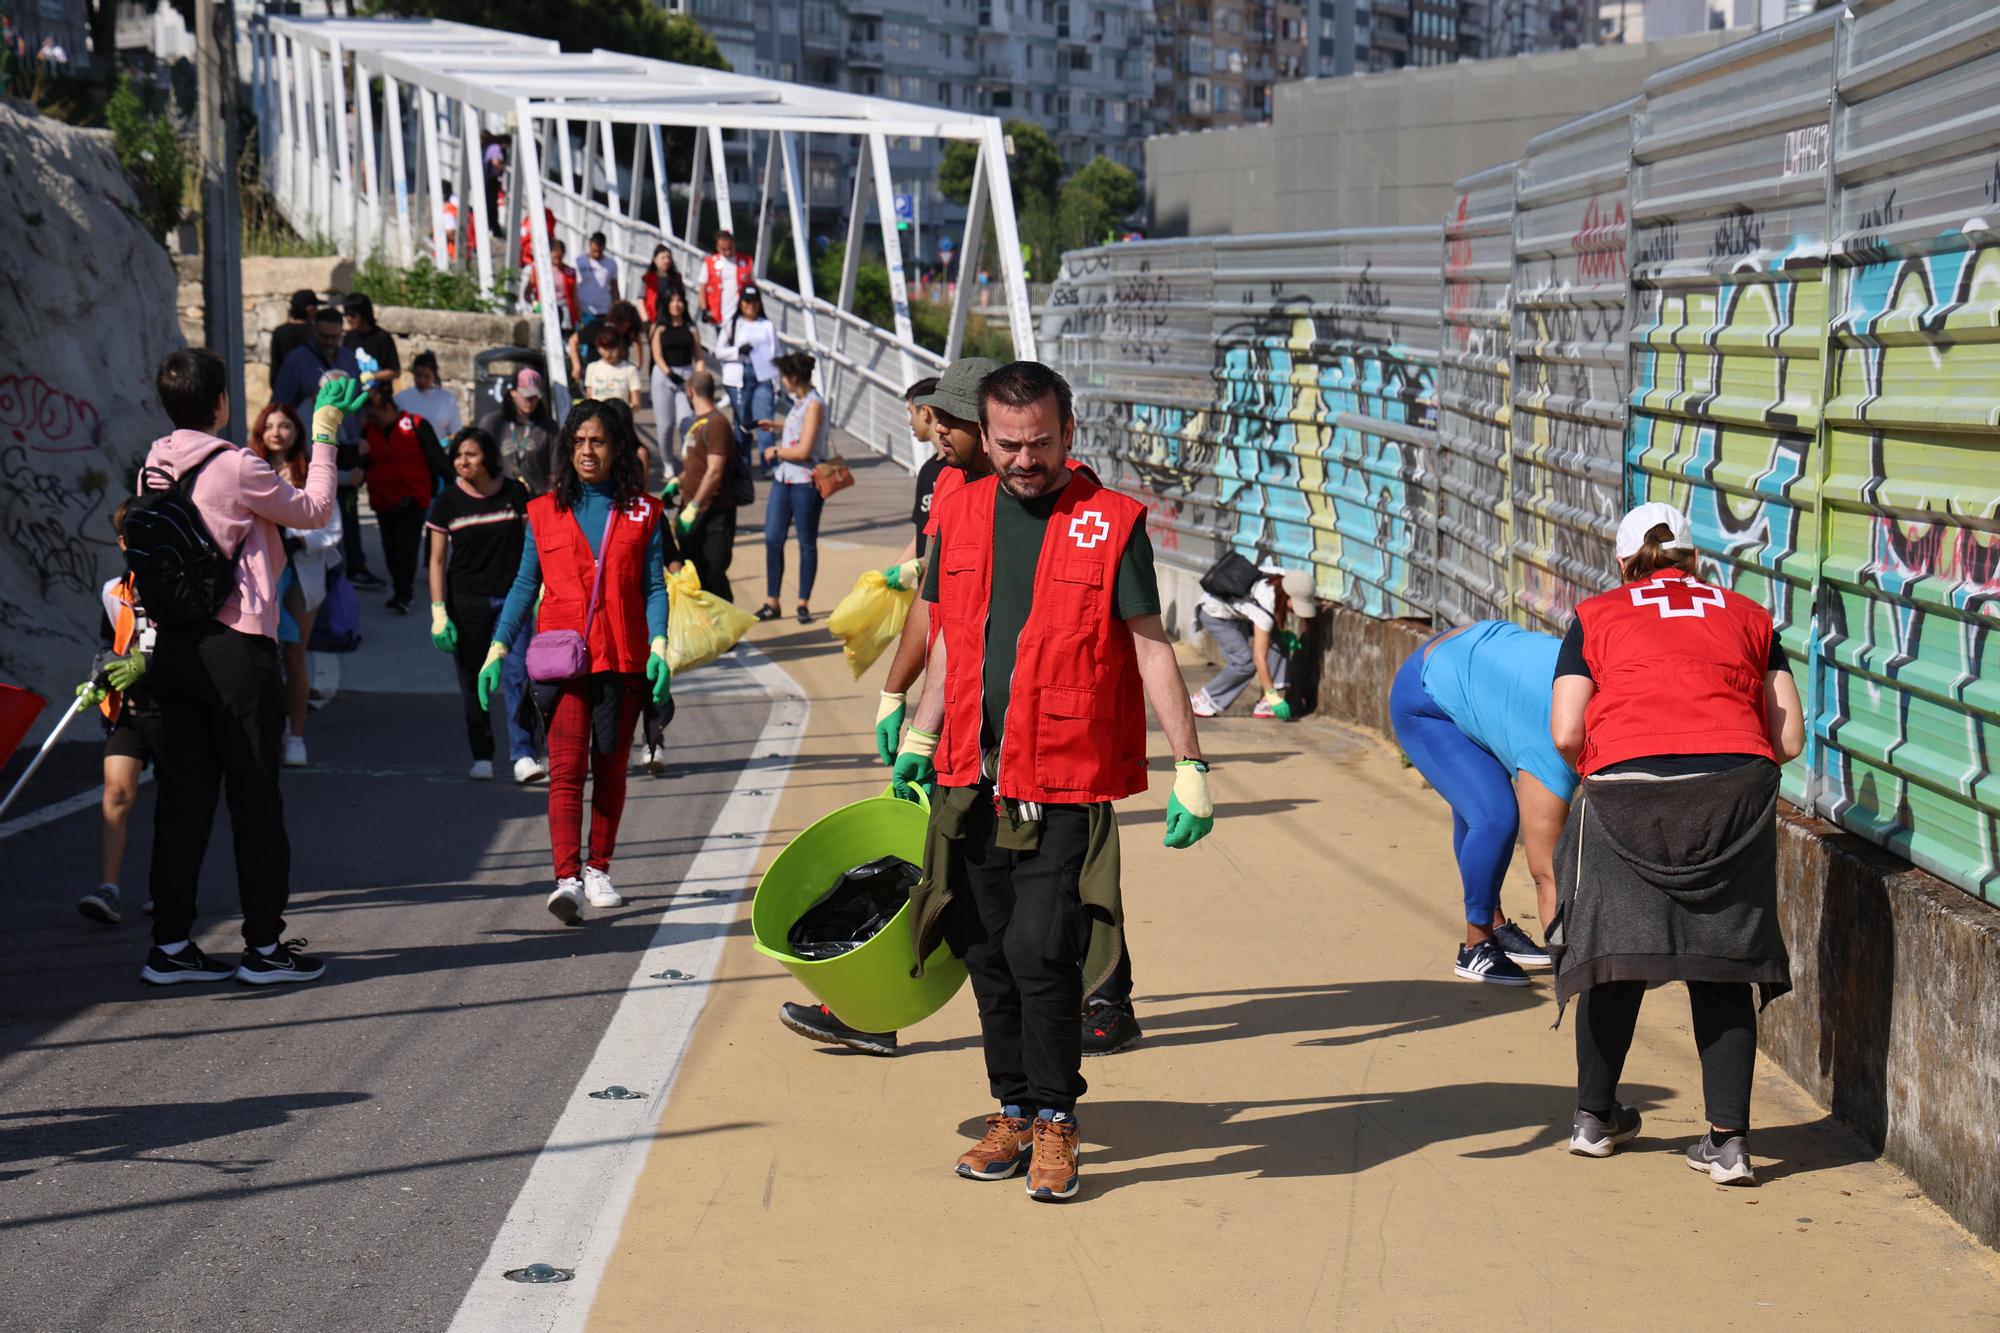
[
  {"x": 1304, "y": 596},
  {"x": 1632, "y": 529}
]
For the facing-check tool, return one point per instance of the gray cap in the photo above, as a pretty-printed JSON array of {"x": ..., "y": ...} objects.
[{"x": 957, "y": 392}]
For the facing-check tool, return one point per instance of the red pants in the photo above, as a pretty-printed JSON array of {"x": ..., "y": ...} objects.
[{"x": 569, "y": 755}]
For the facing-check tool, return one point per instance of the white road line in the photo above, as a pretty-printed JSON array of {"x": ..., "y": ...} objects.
[
  {"x": 573, "y": 1203},
  {"x": 48, "y": 814}
]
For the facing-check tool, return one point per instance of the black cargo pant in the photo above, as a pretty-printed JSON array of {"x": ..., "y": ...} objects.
[
  {"x": 222, "y": 726},
  {"x": 708, "y": 546},
  {"x": 1022, "y": 929}
]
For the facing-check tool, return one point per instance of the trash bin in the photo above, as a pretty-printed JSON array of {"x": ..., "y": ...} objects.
[
  {"x": 493, "y": 372},
  {"x": 869, "y": 987}
]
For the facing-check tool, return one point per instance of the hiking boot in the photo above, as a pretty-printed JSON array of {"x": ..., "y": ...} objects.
[
  {"x": 1052, "y": 1175},
  {"x": 1727, "y": 1163},
  {"x": 1109, "y": 1028},
  {"x": 1003, "y": 1152},
  {"x": 1484, "y": 962},
  {"x": 1520, "y": 946},
  {"x": 101, "y": 905},
  {"x": 1592, "y": 1136},
  {"x": 816, "y": 1022},
  {"x": 566, "y": 903}
]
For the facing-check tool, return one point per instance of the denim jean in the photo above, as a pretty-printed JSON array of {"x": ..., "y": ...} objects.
[
  {"x": 751, "y": 402},
  {"x": 791, "y": 504}
]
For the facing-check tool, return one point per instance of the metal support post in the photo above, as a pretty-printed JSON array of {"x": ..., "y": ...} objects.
[
  {"x": 968, "y": 259},
  {"x": 392, "y": 116},
  {"x": 696, "y": 190},
  {"x": 368, "y": 212},
  {"x": 718, "y": 161},
  {"x": 221, "y": 226},
  {"x": 761, "y": 256},
  {"x": 528, "y": 173},
  {"x": 857, "y": 215},
  {"x": 322, "y": 175},
  {"x": 892, "y": 250},
  {"x": 801, "y": 239},
  {"x": 1020, "y": 318},
  {"x": 473, "y": 198},
  {"x": 662, "y": 195},
  {"x": 433, "y": 174}
]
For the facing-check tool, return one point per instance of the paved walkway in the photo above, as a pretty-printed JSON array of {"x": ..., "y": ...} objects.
[{"x": 1323, "y": 1128}]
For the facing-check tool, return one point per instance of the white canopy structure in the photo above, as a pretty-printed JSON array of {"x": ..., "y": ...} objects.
[{"x": 358, "y": 117}]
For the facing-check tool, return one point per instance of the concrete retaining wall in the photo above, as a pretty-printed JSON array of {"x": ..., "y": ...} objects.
[{"x": 1894, "y": 1020}]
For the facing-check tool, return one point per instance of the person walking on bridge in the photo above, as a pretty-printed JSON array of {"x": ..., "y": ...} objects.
[
  {"x": 594, "y": 547},
  {"x": 1049, "y": 605},
  {"x": 1676, "y": 702},
  {"x": 1471, "y": 709}
]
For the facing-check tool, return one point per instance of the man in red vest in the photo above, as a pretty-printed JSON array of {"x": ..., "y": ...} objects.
[
  {"x": 404, "y": 463},
  {"x": 1050, "y": 649}
]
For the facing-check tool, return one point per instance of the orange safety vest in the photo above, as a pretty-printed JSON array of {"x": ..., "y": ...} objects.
[{"x": 124, "y": 628}]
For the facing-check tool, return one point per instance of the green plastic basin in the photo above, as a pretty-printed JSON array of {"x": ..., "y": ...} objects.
[{"x": 870, "y": 987}]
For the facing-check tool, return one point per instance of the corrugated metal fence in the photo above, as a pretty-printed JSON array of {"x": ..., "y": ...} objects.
[{"x": 1767, "y": 290}]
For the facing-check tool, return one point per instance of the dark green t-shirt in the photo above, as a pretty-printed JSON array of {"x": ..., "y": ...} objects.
[{"x": 1018, "y": 529}]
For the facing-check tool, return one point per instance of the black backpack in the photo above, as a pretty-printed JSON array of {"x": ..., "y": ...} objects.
[
  {"x": 182, "y": 574},
  {"x": 1231, "y": 578}
]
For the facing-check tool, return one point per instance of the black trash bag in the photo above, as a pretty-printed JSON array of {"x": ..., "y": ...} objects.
[{"x": 860, "y": 903}]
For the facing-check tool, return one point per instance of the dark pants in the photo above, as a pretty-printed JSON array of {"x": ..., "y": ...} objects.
[
  {"x": 708, "y": 547},
  {"x": 222, "y": 709},
  {"x": 1022, "y": 930},
  {"x": 1725, "y": 1032},
  {"x": 402, "y": 542},
  {"x": 791, "y": 504},
  {"x": 351, "y": 553},
  {"x": 474, "y": 615}
]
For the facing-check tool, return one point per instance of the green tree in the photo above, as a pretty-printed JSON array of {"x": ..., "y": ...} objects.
[
  {"x": 1116, "y": 186},
  {"x": 1034, "y": 169},
  {"x": 635, "y": 27}
]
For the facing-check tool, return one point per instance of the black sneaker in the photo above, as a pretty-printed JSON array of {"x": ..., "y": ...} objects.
[
  {"x": 1109, "y": 1028},
  {"x": 768, "y": 613},
  {"x": 399, "y": 606},
  {"x": 1484, "y": 962},
  {"x": 816, "y": 1022},
  {"x": 367, "y": 580},
  {"x": 1520, "y": 946},
  {"x": 190, "y": 964},
  {"x": 101, "y": 905},
  {"x": 1727, "y": 1162},
  {"x": 283, "y": 963},
  {"x": 1591, "y": 1136}
]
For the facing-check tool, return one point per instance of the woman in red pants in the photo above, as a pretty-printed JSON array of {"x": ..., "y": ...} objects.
[{"x": 594, "y": 546}]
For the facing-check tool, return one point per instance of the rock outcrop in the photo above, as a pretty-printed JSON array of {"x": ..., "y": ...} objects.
[{"x": 86, "y": 312}]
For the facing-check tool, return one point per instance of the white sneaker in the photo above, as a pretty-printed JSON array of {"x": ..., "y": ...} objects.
[
  {"x": 566, "y": 903},
  {"x": 295, "y": 751},
  {"x": 598, "y": 890},
  {"x": 527, "y": 768},
  {"x": 655, "y": 761},
  {"x": 1202, "y": 705},
  {"x": 482, "y": 770}
]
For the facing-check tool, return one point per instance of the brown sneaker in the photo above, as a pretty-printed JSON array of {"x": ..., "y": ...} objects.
[
  {"x": 1002, "y": 1153},
  {"x": 1052, "y": 1176}
]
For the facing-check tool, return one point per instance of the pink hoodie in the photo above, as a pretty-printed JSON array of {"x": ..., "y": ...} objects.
[{"x": 233, "y": 493}]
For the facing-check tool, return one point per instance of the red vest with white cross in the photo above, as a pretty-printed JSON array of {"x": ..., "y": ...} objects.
[
  {"x": 618, "y": 639},
  {"x": 1076, "y": 713},
  {"x": 397, "y": 470},
  {"x": 1679, "y": 666}
]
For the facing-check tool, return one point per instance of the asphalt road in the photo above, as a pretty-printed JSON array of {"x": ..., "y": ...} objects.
[{"x": 335, "y": 1155}]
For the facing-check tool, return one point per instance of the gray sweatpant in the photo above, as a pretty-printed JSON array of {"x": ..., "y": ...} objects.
[{"x": 1239, "y": 665}]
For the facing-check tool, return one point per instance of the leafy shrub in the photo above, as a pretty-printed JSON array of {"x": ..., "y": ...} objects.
[
  {"x": 154, "y": 155},
  {"x": 426, "y": 287}
]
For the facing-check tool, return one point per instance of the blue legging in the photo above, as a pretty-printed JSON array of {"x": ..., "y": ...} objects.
[
  {"x": 1477, "y": 786},
  {"x": 791, "y": 504}
]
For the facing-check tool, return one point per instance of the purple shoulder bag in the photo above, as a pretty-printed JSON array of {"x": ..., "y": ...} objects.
[{"x": 556, "y": 655}]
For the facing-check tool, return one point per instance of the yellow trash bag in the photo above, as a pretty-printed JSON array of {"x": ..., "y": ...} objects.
[
  {"x": 869, "y": 619},
  {"x": 700, "y": 626}
]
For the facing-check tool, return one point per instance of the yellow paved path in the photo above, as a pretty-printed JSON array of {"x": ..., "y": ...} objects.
[{"x": 1322, "y": 1128}]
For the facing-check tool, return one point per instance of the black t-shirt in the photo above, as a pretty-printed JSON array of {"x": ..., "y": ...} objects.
[
  {"x": 1570, "y": 662},
  {"x": 1018, "y": 529},
  {"x": 486, "y": 533},
  {"x": 927, "y": 476},
  {"x": 377, "y": 344}
]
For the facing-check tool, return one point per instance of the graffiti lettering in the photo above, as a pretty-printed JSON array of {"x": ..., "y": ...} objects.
[
  {"x": 1600, "y": 242},
  {"x": 1805, "y": 151},
  {"x": 1139, "y": 315},
  {"x": 47, "y": 420},
  {"x": 1458, "y": 255},
  {"x": 1875, "y": 221},
  {"x": 1993, "y": 184},
  {"x": 1741, "y": 233},
  {"x": 1656, "y": 245}
]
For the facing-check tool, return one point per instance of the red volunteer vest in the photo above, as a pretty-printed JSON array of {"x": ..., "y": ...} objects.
[
  {"x": 618, "y": 638},
  {"x": 1076, "y": 716},
  {"x": 396, "y": 467},
  {"x": 1679, "y": 667}
]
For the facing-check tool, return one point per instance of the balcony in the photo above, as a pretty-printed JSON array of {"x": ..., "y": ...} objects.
[
  {"x": 864, "y": 54},
  {"x": 996, "y": 72},
  {"x": 1391, "y": 9}
]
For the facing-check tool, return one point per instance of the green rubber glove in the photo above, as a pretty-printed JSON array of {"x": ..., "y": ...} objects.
[
  {"x": 1287, "y": 642},
  {"x": 91, "y": 693},
  {"x": 125, "y": 672},
  {"x": 905, "y": 576},
  {"x": 1190, "y": 813},
  {"x": 658, "y": 673},
  {"x": 684, "y": 521},
  {"x": 336, "y": 399},
  {"x": 888, "y": 727},
  {"x": 489, "y": 674},
  {"x": 914, "y": 765},
  {"x": 444, "y": 634},
  {"x": 1280, "y": 708},
  {"x": 670, "y": 492}
]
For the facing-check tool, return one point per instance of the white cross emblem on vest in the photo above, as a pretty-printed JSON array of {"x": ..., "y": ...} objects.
[
  {"x": 1088, "y": 529},
  {"x": 1678, "y": 597}
]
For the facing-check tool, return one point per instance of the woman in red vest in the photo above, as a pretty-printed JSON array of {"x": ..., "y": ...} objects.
[
  {"x": 594, "y": 548},
  {"x": 404, "y": 464},
  {"x": 1674, "y": 700}
]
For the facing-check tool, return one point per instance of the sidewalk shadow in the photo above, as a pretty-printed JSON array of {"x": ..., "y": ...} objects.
[
  {"x": 1335, "y": 1014},
  {"x": 140, "y": 1132},
  {"x": 1811, "y": 1145}
]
